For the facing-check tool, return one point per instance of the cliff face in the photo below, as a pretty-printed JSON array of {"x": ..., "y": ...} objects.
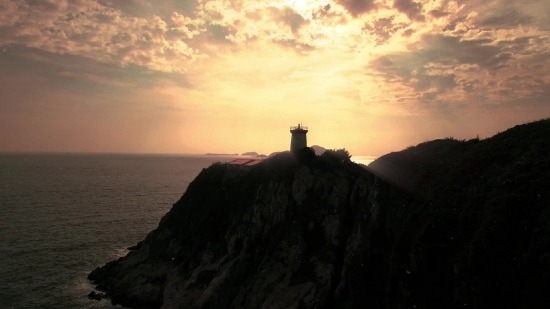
[
  {"x": 467, "y": 227},
  {"x": 274, "y": 235}
]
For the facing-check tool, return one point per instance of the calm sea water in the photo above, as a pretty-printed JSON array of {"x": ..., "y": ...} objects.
[
  {"x": 62, "y": 215},
  {"x": 365, "y": 160}
]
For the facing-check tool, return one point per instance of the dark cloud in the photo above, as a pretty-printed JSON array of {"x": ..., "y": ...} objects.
[
  {"x": 531, "y": 80},
  {"x": 515, "y": 43},
  {"x": 538, "y": 62},
  {"x": 82, "y": 74},
  {"x": 322, "y": 12},
  {"x": 505, "y": 18},
  {"x": 479, "y": 15},
  {"x": 429, "y": 67},
  {"x": 523, "y": 90},
  {"x": 452, "y": 50},
  {"x": 442, "y": 68},
  {"x": 412, "y": 9},
  {"x": 441, "y": 82},
  {"x": 407, "y": 33},
  {"x": 46, "y": 5},
  {"x": 219, "y": 33},
  {"x": 438, "y": 13},
  {"x": 357, "y": 7},
  {"x": 289, "y": 17},
  {"x": 407, "y": 69},
  {"x": 508, "y": 14},
  {"x": 454, "y": 23},
  {"x": 383, "y": 29},
  {"x": 469, "y": 85},
  {"x": 144, "y": 8},
  {"x": 490, "y": 15},
  {"x": 100, "y": 32}
]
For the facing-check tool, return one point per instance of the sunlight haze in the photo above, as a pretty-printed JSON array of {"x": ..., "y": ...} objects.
[{"x": 230, "y": 76}]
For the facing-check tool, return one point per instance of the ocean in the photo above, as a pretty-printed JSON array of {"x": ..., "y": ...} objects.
[{"x": 62, "y": 215}]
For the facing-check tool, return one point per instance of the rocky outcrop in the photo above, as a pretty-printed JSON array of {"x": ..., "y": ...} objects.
[{"x": 468, "y": 230}]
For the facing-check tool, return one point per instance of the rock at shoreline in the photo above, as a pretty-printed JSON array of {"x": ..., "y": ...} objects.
[{"x": 96, "y": 296}]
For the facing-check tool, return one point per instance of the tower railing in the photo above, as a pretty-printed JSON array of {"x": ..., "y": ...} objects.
[{"x": 298, "y": 128}]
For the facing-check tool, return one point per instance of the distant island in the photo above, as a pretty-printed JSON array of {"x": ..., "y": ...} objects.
[
  {"x": 319, "y": 150},
  {"x": 244, "y": 154},
  {"x": 252, "y": 154},
  {"x": 222, "y": 154}
]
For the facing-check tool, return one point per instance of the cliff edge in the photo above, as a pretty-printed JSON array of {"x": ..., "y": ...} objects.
[{"x": 444, "y": 224}]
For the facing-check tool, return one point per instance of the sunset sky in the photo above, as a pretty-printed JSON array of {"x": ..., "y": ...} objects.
[{"x": 196, "y": 76}]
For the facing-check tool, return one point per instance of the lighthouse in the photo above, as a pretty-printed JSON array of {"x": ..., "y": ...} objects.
[{"x": 299, "y": 139}]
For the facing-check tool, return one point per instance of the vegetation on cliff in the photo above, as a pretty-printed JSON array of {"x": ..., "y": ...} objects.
[{"x": 444, "y": 224}]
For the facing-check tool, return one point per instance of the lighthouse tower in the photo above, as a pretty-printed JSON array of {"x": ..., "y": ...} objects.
[{"x": 299, "y": 139}]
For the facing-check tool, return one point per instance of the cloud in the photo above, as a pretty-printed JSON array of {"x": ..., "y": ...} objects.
[
  {"x": 299, "y": 47},
  {"x": 412, "y": 9},
  {"x": 87, "y": 75},
  {"x": 448, "y": 51},
  {"x": 425, "y": 51},
  {"x": 496, "y": 15},
  {"x": 410, "y": 71},
  {"x": 10, "y": 13},
  {"x": 145, "y": 8},
  {"x": 438, "y": 13},
  {"x": 453, "y": 50},
  {"x": 288, "y": 17},
  {"x": 383, "y": 29},
  {"x": 218, "y": 33},
  {"x": 57, "y": 102},
  {"x": 183, "y": 26},
  {"x": 505, "y": 18},
  {"x": 446, "y": 68},
  {"x": 103, "y": 33},
  {"x": 357, "y": 7},
  {"x": 323, "y": 12}
]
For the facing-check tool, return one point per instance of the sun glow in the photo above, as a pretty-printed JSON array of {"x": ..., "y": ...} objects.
[
  {"x": 304, "y": 7},
  {"x": 370, "y": 76}
]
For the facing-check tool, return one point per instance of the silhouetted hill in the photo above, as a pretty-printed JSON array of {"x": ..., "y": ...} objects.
[
  {"x": 470, "y": 230},
  {"x": 319, "y": 150},
  {"x": 480, "y": 213},
  {"x": 451, "y": 160},
  {"x": 408, "y": 168}
]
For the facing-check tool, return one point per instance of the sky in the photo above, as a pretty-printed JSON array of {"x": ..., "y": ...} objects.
[{"x": 229, "y": 76}]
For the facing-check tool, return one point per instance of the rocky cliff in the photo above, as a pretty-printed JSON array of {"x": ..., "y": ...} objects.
[{"x": 444, "y": 224}]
